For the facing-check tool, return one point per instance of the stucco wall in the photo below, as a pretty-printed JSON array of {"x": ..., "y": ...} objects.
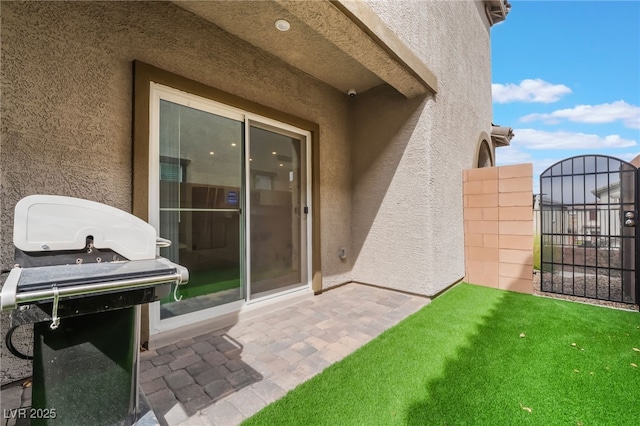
[
  {"x": 411, "y": 237},
  {"x": 390, "y": 186},
  {"x": 66, "y": 103}
]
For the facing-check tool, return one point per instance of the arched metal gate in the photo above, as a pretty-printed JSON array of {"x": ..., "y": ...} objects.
[{"x": 588, "y": 215}]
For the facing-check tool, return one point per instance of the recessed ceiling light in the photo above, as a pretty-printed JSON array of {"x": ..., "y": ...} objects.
[
  {"x": 210, "y": 152},
  {"x": 250, "y": 159},
  {"x": 233, "y": 144},
  {"x": 283, "y": 25},
  {"x": 281, "y": 165},
  {"x": 273, "y": 152}
]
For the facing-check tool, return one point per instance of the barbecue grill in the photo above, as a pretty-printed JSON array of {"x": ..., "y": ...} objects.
[{"x": 82, "y": 270}]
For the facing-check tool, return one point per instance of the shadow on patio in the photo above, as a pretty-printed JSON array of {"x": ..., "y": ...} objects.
[{"x": 227, "y": 375}]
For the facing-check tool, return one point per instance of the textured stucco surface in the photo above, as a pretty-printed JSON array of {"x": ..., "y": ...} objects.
[
  {"x": 390, "y": 185},
  {"x": 323, "y": 41},
  {"x": 408, "y": 226},
  {"x": 66, "y": 104}
]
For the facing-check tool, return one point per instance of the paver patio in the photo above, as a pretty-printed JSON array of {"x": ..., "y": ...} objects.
[{"x": 225, "y": 376}]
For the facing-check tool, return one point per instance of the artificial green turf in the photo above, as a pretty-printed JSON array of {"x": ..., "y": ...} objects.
[
  {"x": 211, "y": 281},
  {"x": 208, "y": 282},
  {"x": 461, "y": 360}
]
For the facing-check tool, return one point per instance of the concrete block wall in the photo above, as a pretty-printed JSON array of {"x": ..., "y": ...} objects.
[{"x": 498, "y": 226}]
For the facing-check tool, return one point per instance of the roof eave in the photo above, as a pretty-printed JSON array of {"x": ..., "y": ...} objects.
[
  {"x": 501, "y": 135},
  {"x": 497, "y": 10}
]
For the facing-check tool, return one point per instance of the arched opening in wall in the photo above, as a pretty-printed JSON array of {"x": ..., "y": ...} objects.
[{"x": 484, "y": 155}]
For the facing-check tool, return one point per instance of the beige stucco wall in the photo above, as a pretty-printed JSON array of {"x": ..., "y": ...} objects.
[
  {"x": 390, "y": 187},
  {"x": 408, "y": 155},
  {"x": 66, "y": 104}
]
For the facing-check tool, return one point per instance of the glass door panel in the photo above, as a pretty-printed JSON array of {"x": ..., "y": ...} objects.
[
  {"x": 200, "y": 195},
  {"x": 275, "y": 202}
]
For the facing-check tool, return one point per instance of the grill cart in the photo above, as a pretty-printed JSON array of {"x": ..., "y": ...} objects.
[{"x": 82, "y": 271}]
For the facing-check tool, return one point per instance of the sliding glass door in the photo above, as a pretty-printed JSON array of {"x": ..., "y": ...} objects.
[
  {"x": 276, "y": 182},
  {"x": 200, "y": 175},
  {"x": 230, "y": 191}
]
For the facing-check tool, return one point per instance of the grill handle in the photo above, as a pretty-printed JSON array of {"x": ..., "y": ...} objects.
[{"x": 8, "y": 301}]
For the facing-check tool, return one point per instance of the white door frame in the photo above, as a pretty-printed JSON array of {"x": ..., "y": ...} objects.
[{"x": 158, "y": 92}]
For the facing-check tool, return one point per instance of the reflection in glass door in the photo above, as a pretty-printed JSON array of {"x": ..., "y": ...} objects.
[
  {"x": 276, "y": 192},
  {"x": 229, "y": 191},
  {"x": 200, "y": 194}
]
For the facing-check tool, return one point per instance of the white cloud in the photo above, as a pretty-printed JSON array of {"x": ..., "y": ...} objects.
[
  {"x": 594, "y": 114},
  {"x": 529, "y": 91},
  {"x": 514, "y": 155},
  {"x": 628, "y": 156},
  {"x": 539, "y": 139},
  {"x": 511, "y": 155},
  {"x": 540, "y": 166}
]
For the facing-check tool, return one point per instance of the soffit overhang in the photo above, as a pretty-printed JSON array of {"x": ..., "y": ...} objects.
[{"x": 342, "y": 43}]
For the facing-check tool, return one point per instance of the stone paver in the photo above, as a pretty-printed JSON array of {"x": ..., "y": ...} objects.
[
  {"x": 198, "y": 368},
  {"x": 178, "y": 379},
  {"x": 12, "y": 398},
  {"x": 211, "y": 375},
  {"x": 247, "y": 402},
  {"x": 202, "y": 348},
  {"x": 263, "y": 358},
  {"x": 215, "y": 358},
  {"x": 268, "y": 391},
  {"x": 176, "y": 415},
  {"x": 184, "y": 361},
  {"x": 189, "y": 392},
  {"x": 162, "y": 359},
  {"x": 218, "y": 389},
  {"x": 227, "y": 375},
  {"x": 224, "y": 413},
  {"x": 185, "y": 343},
  {"x": 198, "y": 420},
  {"x": 162, "y": 402},
  {"x": 154, "y": 373},
  {"x": 154, "y": 386},
  {"x": 166, "y": 349}
]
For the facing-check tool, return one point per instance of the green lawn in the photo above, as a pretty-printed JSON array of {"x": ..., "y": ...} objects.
[{"x": 481, "y": 356}]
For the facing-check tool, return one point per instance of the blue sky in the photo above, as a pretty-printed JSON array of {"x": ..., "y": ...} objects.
[{"x": 566, "y": 78}]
